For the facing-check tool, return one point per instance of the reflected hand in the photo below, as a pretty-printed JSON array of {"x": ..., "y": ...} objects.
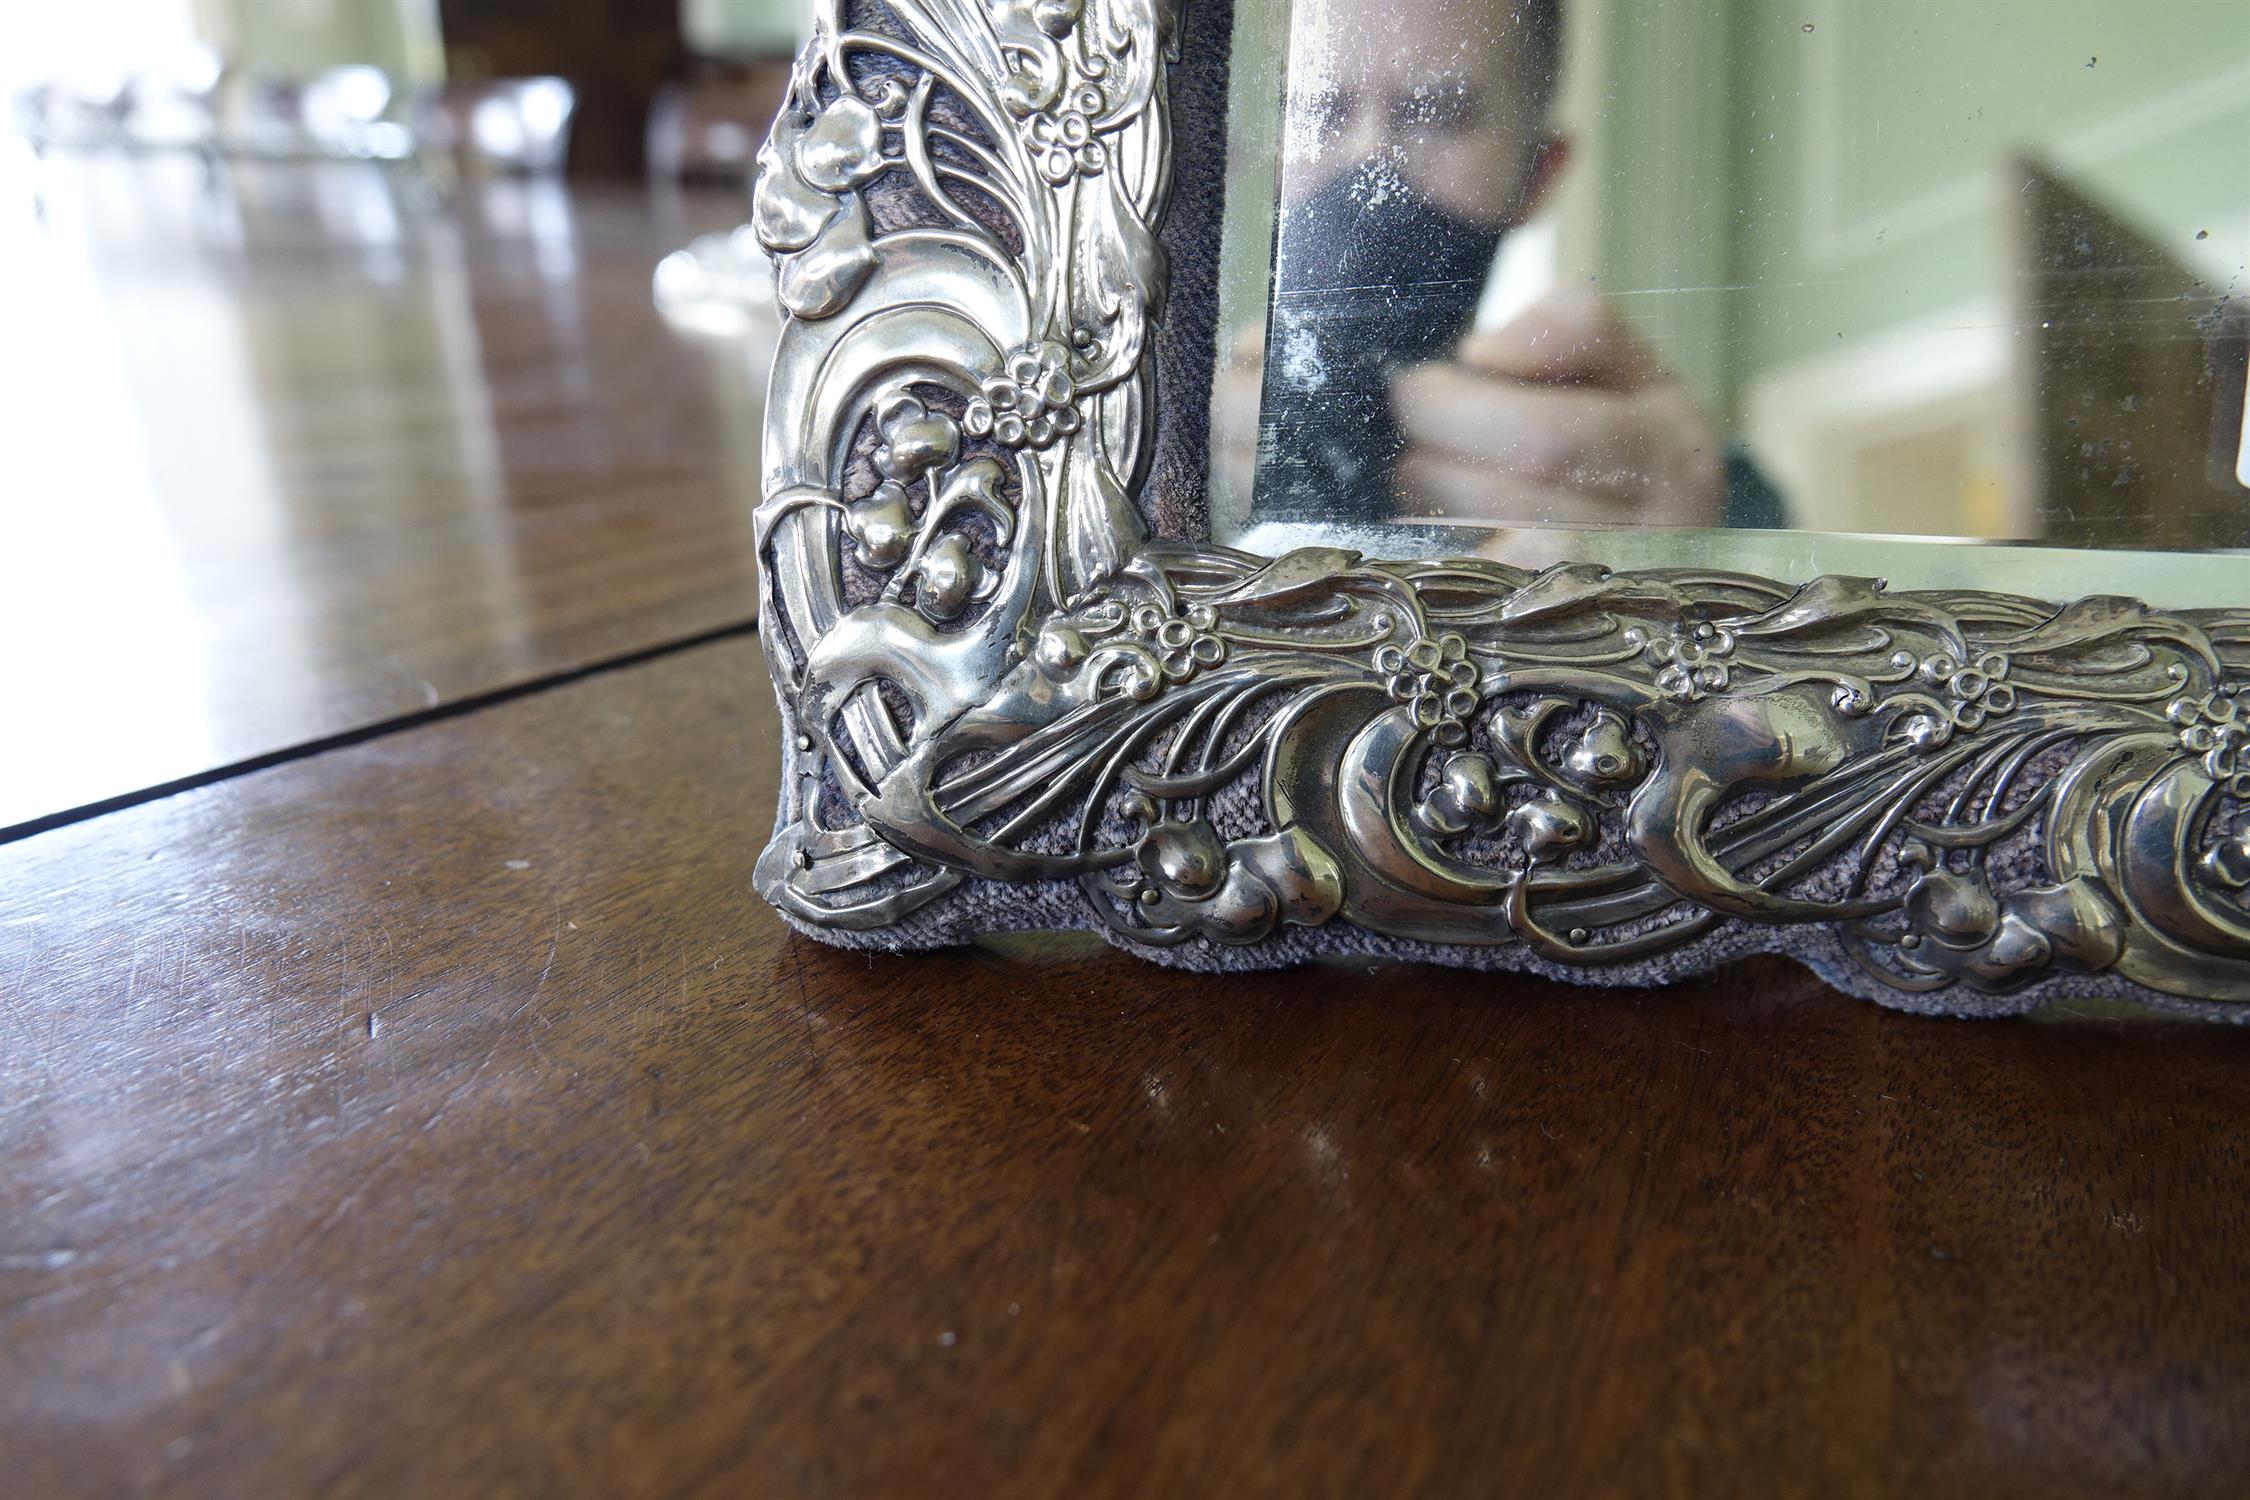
[{"x": 1561, "y": 418}]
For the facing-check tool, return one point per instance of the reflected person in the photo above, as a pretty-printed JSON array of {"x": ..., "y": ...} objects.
[{"x": 1417, "y": 139}]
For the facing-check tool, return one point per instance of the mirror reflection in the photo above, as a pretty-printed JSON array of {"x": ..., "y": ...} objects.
[{"x": 1945, "y": 268}]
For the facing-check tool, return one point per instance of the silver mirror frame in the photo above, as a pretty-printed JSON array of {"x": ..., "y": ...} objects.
[{"x": 1008, "y": 705}]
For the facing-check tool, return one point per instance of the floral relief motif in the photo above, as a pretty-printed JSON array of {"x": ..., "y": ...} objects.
[
  {"x": 1972, "y": 693},
  {"x": 1188, "y": 882},
  {"x": 1602, "y": 755},
  {"x": 882, "y": 526},
  {"x": 1055, "y": 95},
  {"x": 807, "y": 207},
  {"x": 1958, "y": 929},
  {"x": 1062, "y": 140},
  {"x": 1434, "y": 677},
  {"x": 2226, "y": 864},
  {"x": 1693, "y": 661},
  {"x": 914, "y": 440},
  {"x": 903, "y": 523},
  {"x": 948, "y": 576},
  {"x": 2216, "y": 729},
  {"x": 1551, "y": 825},
  {"x": 992, "y": 673},
  {"x": 1467, "y": 798},
  {"x": 1183, "y": 643},
  {"x": 1127, "y": 642},
  {"x": 1029, "y": 404},
  {"x": 1469, "y": 795}
]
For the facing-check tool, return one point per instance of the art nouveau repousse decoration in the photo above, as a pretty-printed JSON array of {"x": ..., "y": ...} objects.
[{"x": 1009, "y": 706}]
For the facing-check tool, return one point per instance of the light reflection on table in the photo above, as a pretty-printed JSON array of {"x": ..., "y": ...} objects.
[{"x": 288, "y": 450}]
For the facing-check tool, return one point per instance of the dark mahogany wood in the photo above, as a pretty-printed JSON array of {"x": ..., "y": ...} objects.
[
  {"x": 445, "y": 1115},
  {"x": 297, "y": 449}
]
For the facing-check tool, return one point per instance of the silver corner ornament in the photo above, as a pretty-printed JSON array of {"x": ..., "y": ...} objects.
[{"x": 1007, "y": 706}]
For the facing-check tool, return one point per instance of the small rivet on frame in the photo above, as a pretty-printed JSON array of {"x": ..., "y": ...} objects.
[
  {"x": 804, "y": 742},
  {"x": 1580, "y": 936}
]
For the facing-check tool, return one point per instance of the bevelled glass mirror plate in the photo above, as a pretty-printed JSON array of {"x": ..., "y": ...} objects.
[
  {"x": 1940, "y": 270},
  {"x": 1575, "y": 374}
]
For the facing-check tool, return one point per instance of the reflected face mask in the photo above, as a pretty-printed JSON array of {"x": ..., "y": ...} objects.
[
  {"x": 1371, "y": 231},
  {"x": 1370, "y": 277}
]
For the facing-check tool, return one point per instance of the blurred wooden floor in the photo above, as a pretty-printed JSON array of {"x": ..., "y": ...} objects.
[{"x": 442, "y": 1113}]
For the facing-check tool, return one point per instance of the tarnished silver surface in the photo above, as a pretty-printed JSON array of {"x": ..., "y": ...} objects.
[{"x": 994, "y": 680}]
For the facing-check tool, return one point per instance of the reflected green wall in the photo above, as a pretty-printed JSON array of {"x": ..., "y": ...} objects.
[
  {"x": 1644, "y": 207},
  {"x": 1761, "y": 181},
  {"x": 745, "y": 28},
  {"x": 1882, "y": 214},
  {"x": 298, "y": 38}
]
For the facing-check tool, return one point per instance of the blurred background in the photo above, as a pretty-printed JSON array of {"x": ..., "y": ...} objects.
[
  {"x": 364, "y": 356},
  {"x": 604, "y": 87}
]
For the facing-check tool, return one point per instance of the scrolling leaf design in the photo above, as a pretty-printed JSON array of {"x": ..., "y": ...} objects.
[{"x": 995, "y": 677}]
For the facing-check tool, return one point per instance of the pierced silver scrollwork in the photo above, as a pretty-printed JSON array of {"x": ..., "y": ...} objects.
[{"x": 996, "y": 680}]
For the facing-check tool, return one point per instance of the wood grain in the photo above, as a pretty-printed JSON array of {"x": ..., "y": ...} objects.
[
  {"x": 297, "y": 451},
  {"x": 446, "y": 1115}
]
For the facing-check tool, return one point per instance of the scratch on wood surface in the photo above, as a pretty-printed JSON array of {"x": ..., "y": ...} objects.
[{"x": 547, "y": 968}]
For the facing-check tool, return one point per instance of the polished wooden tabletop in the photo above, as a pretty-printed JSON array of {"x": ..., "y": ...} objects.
[
  {"x": 292, "y": 450},
  {"x": 442, "y": 1113}
]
